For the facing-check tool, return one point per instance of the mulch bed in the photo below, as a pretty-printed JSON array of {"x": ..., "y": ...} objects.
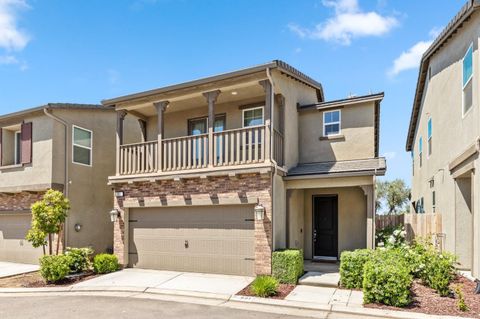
[
  {"x": 426, "y": 300},
  {"x": 34, "y": 280},
  {"x": 283, "y": 291}
]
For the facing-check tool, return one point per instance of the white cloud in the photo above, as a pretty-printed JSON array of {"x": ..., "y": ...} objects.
[
  {"x": 349, "y": 22},
  {"x": 8, "y": 59},
  {"x": 11, "y": 36}
]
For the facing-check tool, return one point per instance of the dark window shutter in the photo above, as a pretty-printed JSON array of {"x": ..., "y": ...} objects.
[
  {"x": 1, "y": 140},
  {"x": 26, "y": 143}
]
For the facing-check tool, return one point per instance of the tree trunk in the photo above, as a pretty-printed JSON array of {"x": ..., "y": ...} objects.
[
  {"x": 44, "y": 251},
  {"x": 58, "y": 238},
  {"x": 50, "y": 250}
]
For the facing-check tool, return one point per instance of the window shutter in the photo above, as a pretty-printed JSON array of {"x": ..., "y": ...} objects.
[
  {"x": 1, "y": 140},
  {"x": 26, "y": 143}
]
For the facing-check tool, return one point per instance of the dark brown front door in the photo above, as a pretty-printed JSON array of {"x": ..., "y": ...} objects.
[{"x": 325, "y": 227}]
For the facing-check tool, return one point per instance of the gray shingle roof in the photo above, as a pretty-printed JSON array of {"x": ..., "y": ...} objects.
[{"x": 375, "y": 166}]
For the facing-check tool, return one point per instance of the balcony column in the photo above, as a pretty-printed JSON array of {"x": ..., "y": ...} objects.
[
  {"x": 161, "y": 107},
  {"x": 267, "y": 113},
  {"x": 211, "y": 99},
  {"x": 369, "y": 191},
  {"x": 119, "y": 136}
]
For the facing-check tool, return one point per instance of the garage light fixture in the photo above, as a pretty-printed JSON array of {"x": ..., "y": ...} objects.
[
  {"x": 114, "y": 214},
  {"x": 259, "y": 212}
]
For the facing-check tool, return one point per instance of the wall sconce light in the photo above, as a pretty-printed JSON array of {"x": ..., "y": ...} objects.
[
  {"x": 114, "y": 213},
  {"x": 119, "y": 194},
  {"x": 259, "y": 212},
  {"x": 77, "y": 227}
]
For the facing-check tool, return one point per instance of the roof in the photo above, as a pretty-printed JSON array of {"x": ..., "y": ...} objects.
[
  {"x": 275, "y": 64},
  {"x": 65, "y": 106},
  {"x": 351, "y": 101},
  {"x": 372, "y": 166},
  {"x": 450, "y": 30}
]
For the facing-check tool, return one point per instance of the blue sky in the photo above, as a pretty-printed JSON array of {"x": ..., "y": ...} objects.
[{"x": 89, "y": 50}]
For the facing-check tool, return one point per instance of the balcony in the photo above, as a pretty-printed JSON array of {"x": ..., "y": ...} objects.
[{"x": 206, "y": 147}]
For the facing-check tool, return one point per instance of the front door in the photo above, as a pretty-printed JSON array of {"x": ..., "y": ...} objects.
[{"x": 325, "y": 227}]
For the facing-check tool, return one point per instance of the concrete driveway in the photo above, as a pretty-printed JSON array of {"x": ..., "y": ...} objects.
[
  {"x": 168, "y": 281},
  {"x": 8, "y": 269}
]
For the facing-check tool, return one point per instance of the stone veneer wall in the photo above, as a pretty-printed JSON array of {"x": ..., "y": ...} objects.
[
  {"x": 242, "y": 186},
  {"x": 18, "y": 201}
]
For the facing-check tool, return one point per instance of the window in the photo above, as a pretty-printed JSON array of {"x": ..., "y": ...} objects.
[
  {"x": 420, "y": 208},
  {"x": 253, "y": 116},
  {"x": 82, "y": 146},
  {"x": 331, "y": 123},
  {"x": 433, "y": 201},
  {"x": 467, "y": 85},
  {"x": 429, "y": 136},
  {"x": 18, "y": 147},
  {"x": 413, "y": 162},
  {"x": 420, "y": 151}
]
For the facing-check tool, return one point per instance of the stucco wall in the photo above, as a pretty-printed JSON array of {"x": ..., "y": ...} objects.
[
  {"x": 357, "y": 136},
  {"x": 453, "y": 132},
  {"x": 280, "y": 217}
]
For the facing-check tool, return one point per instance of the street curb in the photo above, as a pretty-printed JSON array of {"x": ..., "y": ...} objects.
[{"x": 230, "y": 299}]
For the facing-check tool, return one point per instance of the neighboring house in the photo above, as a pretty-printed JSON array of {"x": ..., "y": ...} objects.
[
  {"x": 444, "y": 134},
  {"x": 226, "y": 169},
  {"x": 67, "y": 147}
]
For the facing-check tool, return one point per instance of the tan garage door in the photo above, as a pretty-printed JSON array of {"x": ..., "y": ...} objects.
[
  {"x": 210, "y": 239},
  {"x": 13, "y": 246}
]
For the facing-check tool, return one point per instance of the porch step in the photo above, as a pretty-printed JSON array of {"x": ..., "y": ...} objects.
[{"x": 320, "y": 279}]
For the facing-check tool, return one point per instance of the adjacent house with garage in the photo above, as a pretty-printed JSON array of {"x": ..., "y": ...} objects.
[
  {"x": 221, "y": 171},
  {"x": 67, "y": 147},
  {"x": 444, "y": 136}
]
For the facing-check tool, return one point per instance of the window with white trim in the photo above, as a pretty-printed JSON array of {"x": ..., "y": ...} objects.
[
  {"x": 82, "y": 146},
  {"x": 18, "y": 147},
  {"x": 253, "y": 116},
  {"x": 420, "y": 151},
  {"x": 429, "y": 136},
  {"x": 467, "y": 84},
  {"x": 331, "y": 123}
]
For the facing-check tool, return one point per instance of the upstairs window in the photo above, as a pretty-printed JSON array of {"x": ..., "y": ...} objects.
[
  {"x": 18, "y": 147},
  {"x": 16, "y": 144},
  {"x": 467, "y": 80},
  {"x": 420, "y": 151},
  {"x": 429, "y": 136},
  {"x": 331, "y": 123},
  {"x": 82, "y": 146},
  {"x": 253, "y": 116}
]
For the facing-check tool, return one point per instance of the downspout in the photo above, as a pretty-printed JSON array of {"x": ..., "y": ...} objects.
[
  {"x": 49, "y": 113},
  {"x": 272, "y": 103}
]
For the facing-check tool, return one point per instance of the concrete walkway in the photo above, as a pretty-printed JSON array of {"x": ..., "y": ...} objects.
[
  {"x": 8, "y": 269},
  {"x": 327, "y": 296},
  {"x": 159, "y": 281}
]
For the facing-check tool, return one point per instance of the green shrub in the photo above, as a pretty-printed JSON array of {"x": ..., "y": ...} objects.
[
  {"x": 416, "y": 256},
  {"x": 461, "y": 304},
  {"x": 264, "y": 286},
  {"x": 387, "y": 280},
  {"x": 80, "y": 259},
  {"x": 439, "y": 271},
  {"x": 351, "y": 267},
  {"x": 105, "y": 263},
  {"x": 55, "y": 267},
  {"x": 287, "y": 265},
  {"x": 391, "y": 236}
]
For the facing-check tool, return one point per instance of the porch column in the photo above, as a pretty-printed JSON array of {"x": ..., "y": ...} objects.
[
  {"x": 161, "y": 107},
  {"x": 211, "y": 99},
  {"x": 370, "y": 197},
  {"x": 267, "y": 87},
  {"x": 119, "y": 136}
]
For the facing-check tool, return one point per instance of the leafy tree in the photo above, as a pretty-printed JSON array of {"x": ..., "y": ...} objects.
[
  {"x": 393, "y": 195},
  {"x": 48, "y": 216}
]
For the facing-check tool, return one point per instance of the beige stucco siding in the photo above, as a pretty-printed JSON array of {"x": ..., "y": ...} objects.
[
  {"x": 356, "y": 139},
  {"x": 39, "y": 172},
  {"x": 453, "y": 133}
]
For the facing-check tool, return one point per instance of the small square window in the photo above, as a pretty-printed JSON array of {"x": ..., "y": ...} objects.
[
  {"x": 253, "y": 116},
  {"x": 331, "y": 123}
]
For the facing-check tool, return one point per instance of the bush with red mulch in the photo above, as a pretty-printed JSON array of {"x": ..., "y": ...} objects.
[{"x": 283, "y": 291}]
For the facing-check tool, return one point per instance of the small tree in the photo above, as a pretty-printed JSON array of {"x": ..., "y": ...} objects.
[
  {"x": 393, "y": 194},
  {"x": 48, "y": 216}
]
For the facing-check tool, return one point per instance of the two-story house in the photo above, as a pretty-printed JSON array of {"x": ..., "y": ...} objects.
[
  {"x": 444, "y": 133},
  {"x": 67, "y": 147},
  {"x": 228, "y": 168}
]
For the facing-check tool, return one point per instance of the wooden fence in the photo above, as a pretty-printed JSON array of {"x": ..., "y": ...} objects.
[{"x": 382, "y": 221}]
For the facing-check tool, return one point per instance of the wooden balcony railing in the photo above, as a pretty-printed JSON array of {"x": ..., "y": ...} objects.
[{"x": 232, "y": 147}]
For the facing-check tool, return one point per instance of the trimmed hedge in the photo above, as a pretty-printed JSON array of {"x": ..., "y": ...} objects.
[
  {"x": 79, "y": 259},
  {"x": 387, "y": 280},
  {"x": 105, "y": 263},
  {"x": 439, "y": 272},
  {"x": 287, "y": 265},
  {"x": 54, "y": 268},
  {"x": 352, "y": 264}
]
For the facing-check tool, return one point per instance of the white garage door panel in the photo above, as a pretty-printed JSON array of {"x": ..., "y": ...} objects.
[
  {"x": 212, "y": 239},
  {"x": 13, "y": 246}
]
